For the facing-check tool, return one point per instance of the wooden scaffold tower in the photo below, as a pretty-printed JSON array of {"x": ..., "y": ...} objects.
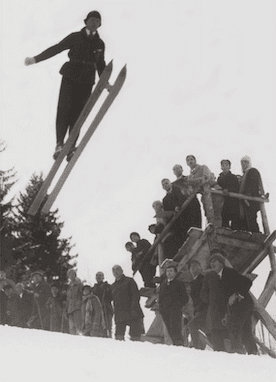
[{"x": 245, "y": 251}]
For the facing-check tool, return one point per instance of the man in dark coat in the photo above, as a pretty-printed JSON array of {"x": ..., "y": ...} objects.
[
  {"x": 251, "y": 184},
  {"x": 42, "y": 291},
  {"x": 235, "y": 288},
  {"x": 200, "y": 307},
  {"x": 13, "y": 306},
  {"x": 192, "y": 213},
  {"x": 103, "y": 291},
  {"x": 212, "y": 294},
  {"x": 86, "y": 55},
  {"x": 26, "y": 304},
  {"x": 229, "y": 183},
  {"x": 146, "y": 268},
  {"x": 172, "y": 298},
  {"x": 127, "y": 310}
]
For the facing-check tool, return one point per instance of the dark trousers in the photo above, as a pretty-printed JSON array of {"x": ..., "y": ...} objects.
[
  {"x": 240, "y": 327},
  {"x": 198, "y": 322},
  {"x": 218, "y": 337},
  {"x": 172, "y": 317},
  {"x": 147, "y": 272},
  {"x": 72, "y": 98},
  {"x": 136, "y": 329}
]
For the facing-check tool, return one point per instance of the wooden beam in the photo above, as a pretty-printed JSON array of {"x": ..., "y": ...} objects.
[
  {"x": 267, "y": 231},
  {"x": 268, "y": 291},
  {"x": 196, "y": 247},
  {"x": 263, "y": 315},
  {"x": 241, "y": 196},
  {"x": 267, "y": 245}
]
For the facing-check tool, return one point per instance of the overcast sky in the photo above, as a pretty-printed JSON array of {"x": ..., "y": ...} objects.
[{"x": 201, "y": 80}]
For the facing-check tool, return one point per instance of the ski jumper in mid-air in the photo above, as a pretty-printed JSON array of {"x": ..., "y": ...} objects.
[{"x": 86, "y": 55}]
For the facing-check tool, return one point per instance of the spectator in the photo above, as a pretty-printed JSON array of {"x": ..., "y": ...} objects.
[
  {"x": 172, "y": 298},
  {"x": 202, "y": 173},
  {"x": 212, "y": 294},
  {"x": 172, "y": 202},
  {"x": 103, "y": 291},
  {"x": 42, "y": 292},
  {"x": 54, "y": 305},
  {"x": 127, "y": 308},
  {"x": 251, "y": 184},
  {"x": 142, "y": 260},
  {"x": 169, "y": 247},
  {"x": 240, "y": 305},
  {"x": 229, "y": 183},
  {"x": 199, "y": 171},
  {"x": 200, "y": 307},
  {"x": 193, "y": 212},
  {"x": 12, "y": 307},
  {"x": 74, "y": 301},
  {"x": 26, "y": 304},
  {"x": 93, "y": 324}
]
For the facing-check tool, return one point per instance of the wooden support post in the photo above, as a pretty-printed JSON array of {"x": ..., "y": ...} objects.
[
  {"x": 264, "y": 316},
  {"x": 241, "y": 196},
  {"x": 267, "y": 245},
  {"x": 267, "y": 231}
]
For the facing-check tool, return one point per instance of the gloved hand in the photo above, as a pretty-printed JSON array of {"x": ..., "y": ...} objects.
[{"x": 29, "y": 61}]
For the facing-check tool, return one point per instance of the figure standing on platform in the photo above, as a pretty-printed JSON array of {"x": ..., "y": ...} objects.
[
  {"x": 251, "y": 184},
  {"x": 146, "y": 266},
  {"x": 229, "y": 183},
  {"x": 86, "y": 55}
]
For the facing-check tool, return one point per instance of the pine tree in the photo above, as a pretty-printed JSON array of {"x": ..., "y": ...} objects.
[
  {"x": 7, "y": 180},
  {"x": 38, "y": 242}
]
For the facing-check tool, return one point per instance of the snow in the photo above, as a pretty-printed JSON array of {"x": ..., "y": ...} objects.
[{"x": 28, "y": 354}]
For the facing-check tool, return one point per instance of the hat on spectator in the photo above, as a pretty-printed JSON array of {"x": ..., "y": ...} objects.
[{"x": 37, "y": 273}]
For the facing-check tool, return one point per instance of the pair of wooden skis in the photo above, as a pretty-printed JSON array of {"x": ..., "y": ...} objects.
[{"x": 103, "y": 83}]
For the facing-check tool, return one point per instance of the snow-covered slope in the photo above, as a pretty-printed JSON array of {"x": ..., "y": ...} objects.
[{"x": 33, "y": 355}]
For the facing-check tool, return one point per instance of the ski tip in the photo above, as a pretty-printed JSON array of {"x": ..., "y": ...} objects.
[
  {"x": 123, "y": 71},
  {"x": 110, "y": 65}
]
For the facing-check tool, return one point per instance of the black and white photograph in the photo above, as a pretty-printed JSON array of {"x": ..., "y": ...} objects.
[{"x": 137, "y": 190}]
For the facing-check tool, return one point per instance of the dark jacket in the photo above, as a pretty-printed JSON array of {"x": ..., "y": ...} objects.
[
  {"x": 126, "y": 300},
  {"x": 251, "y": 184},
  {"x": 104, "y": 293},
  {"x": 233, "y": 282},
  {"x": 13, "y": 310},
  {"x": 43, "y": 289},
  {"x": 85, "y": 54},
  {"x": 212, "y": 294},
  {"x": 26, "y": 304},
  {"x": 229, "y": 182},
  {"x": 172, "y": 293},
  {"x": 196, "y": 286}
]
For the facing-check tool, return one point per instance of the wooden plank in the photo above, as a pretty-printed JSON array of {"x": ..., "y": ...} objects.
[
  {"x": 194, "y": 250},
  {"x": 262, "y": 254},
  {"x": 70, "y": 141},
  {"x": 263, "y": 315},
  {"x": 96, "y": 121},
  {"x": 241, "y": 196}
]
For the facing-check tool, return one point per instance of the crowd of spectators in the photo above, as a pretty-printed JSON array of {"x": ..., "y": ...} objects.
[{"x": 222, "y": 306}]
